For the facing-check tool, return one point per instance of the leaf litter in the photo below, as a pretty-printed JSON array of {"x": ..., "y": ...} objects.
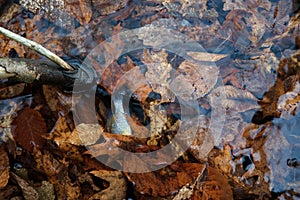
[{"x": 256, "y": 57}]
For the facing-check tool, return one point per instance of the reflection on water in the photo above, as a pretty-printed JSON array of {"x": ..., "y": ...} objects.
[{"x": 259, "y": 148}]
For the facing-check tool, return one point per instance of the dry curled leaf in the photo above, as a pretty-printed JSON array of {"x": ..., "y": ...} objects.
[{"x": 29, "y": 129}]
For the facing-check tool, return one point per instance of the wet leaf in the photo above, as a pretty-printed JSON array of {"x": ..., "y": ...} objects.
[
  {"x": 87, "y": 133},
  {"x": 213, "y": 186},
  {"x": 12, "y": 91},
  {"x": 204, "y": 56},
  {"x": 63, "y": 136},
  {"x": 29, "y": 193},
  {"x": 117, "y": 185},
  {"x": 80, "y": 10},
  {"x": 56, "y": 100},
  {"x": 53, "y": 11},
  {"x": 236, "y": 99},
  {"x": 158, "y": 73},
  {"x": 106, "y": 7},
  {"x": 195, "y": 79},
  {"x": 46, "y": 190},
  {"x": 4, "y": 167},
  {"x": 29, "y": 129},
  {"x": 154, "y": 183}
]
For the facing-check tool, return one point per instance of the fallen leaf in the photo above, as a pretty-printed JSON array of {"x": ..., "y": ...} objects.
[
  {"x": 80, "y": 10},
  {"x": 56, "y": 100},
  {"x": 29, "y": 129},
  {"x": 106, "y": 7},
  {"x": 63, "y": 136},
  {"x": 29, "y": 193},
  {"x": 154, "y": 184},
  {"x": 158, "y": 73},
  {"x": 46, "y": 163},
  {"x": 213, "y": 186},
  {"x": 4, "y": 167},
  {"x": 46, "y": 190},
  {"x": 12, "y": 91},
  {"x": 117, "y": 185},
  {"x": 54, "y": 11},
  {"x": 195, "y": 79},
  {"x": 87, "y": 133},
  {"x": 236, "y": 99},
  {"x": 204, "y": 56}
]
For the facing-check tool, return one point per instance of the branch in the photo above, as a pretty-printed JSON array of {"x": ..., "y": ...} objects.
[
  {"x": 26, "y": 70},
  {"x": 36, "y": 47}
]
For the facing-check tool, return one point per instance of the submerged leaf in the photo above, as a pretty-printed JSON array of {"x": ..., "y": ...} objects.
[
  {"x": 29, "y": 129},
  {"x": 4, "y": 167}
]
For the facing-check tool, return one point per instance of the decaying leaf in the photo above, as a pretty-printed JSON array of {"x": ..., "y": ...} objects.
[
  {"x": 12, "y": 91},
  {"x": 63, "y": 136},
  {"x": 236, "y": 99},
  {"x": 204, "y": 56},
  {"x": 54, "y": 11},
  {"x": 158, "y": 73},
  {"x": 29, "y": 129},
  {"x": 46, "y": 163},
  {"x": 117, "y": 185},
  {"x": 195, "y": 79},
  {"x": 56, "y": 100},
  {"x": 46, "y": 190},
  {"x": 214, "y": 186},
  {"x": 80, "y": 10},
  {"x": 106, "y": 7},
  {"x": 29, "y": 193},
  {"x": 154, "y": 183},
  {"x": 87, "y": 133},
  {"x": 4, "y": 167}
]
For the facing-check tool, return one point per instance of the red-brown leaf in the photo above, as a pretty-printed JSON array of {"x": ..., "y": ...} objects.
[{"x": 29, "y": 128}]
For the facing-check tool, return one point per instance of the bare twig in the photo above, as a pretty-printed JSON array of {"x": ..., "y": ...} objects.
[{"x": 36, "y": 47}]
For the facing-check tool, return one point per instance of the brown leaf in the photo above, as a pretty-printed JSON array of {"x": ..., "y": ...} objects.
[
  {"x": 204, "y": 56},
  {"x": 12, "y": 91},
  {"x": 63, "y": 136},
  {"x": 29, "y": 193},
  {"x": 164, "y": 182},
  {"x": 46, "y": 163},
  {"x": 154, "y": 184},
  {"x": 80, "y": 10},
  {"x": 29, "y": 128},
  {"x": 236, "y": 99},
  {"x": 213, "y": 186},
  {"x": 108, "y": 52},
  {"x": 117, "y": 185},
  {"x": 56, "y": 100},
  {"x": 106, "y": 7},
  {"x": 4, "y": 167}
]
